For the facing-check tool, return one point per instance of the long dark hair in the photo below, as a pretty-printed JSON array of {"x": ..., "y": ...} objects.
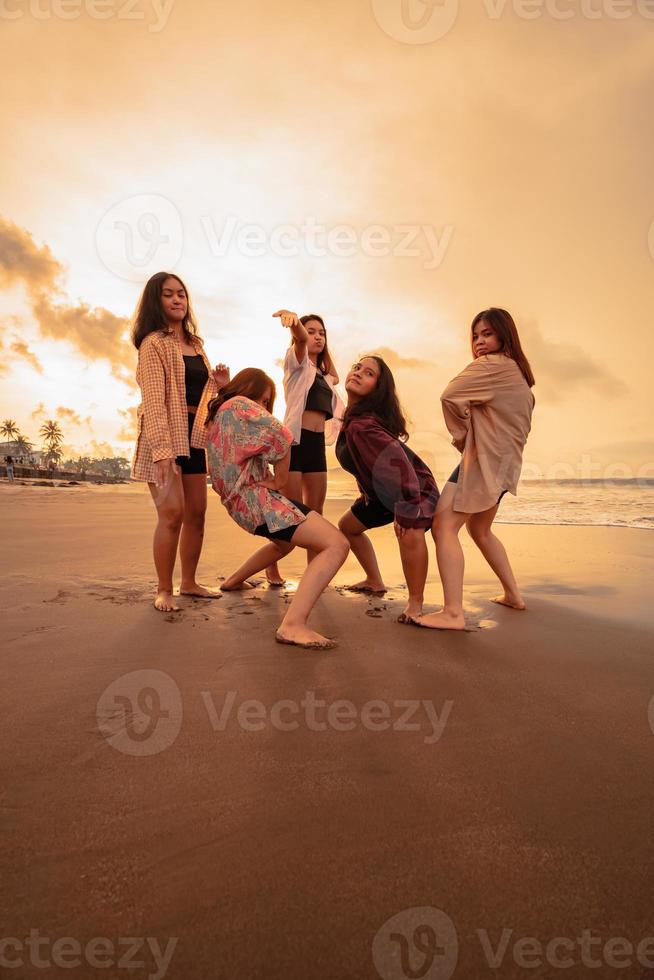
[
  {"x": 504, "y": 326},
  {"x": 249, "y": 383},
  {"x": 382, "y": 402},
  {"x": 325, "y": 362},
  {"x": 149, "y": 315}
]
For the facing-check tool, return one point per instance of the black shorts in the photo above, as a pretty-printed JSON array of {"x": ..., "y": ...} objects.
[
  {"x": 309, "y": 455},
  {"x": 373, "y": 513},
  {"x": 197, "y": 461},
  {"x": 454, "y": 478},
  {"x": 286, "y": 533}
]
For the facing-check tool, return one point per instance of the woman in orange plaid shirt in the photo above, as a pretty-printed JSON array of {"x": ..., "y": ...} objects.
[{"x": 176, "y": 382}]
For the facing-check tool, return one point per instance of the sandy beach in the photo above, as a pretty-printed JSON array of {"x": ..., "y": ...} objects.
[{"x": 498, "y": 779}]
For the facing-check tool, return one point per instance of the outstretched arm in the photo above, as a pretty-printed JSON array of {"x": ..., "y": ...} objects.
[{"x": 298, "y": 331}]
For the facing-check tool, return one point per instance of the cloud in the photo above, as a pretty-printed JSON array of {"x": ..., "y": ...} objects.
[
  {"x": 95, "y": 332},
  {"x": 70, "y": 415},
  {"x": 20, "y": 348},
  {"x": 565, "y": 369},
  {"x": 39, "y": 411},
  {"x": 128, "y": 432},
  {"x": 396, "y": 361},
  {"x": 23, "y": 261}
]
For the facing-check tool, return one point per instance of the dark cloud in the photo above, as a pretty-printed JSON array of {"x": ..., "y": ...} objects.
[
  {"x": 97, "y": 333},
  {"x": 565, "y": 369}
]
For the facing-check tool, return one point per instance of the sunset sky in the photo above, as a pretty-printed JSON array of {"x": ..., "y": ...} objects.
[{"x": 511, "y": 156}]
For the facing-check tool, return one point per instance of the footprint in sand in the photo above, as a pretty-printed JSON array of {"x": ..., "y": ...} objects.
[{"x": 61, "y": 596}]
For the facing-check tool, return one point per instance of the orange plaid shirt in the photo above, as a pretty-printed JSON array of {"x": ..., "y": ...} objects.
[{"x": 162, "y": 416}]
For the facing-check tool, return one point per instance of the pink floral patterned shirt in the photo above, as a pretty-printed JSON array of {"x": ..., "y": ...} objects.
[{"x": 243, "y": 440}]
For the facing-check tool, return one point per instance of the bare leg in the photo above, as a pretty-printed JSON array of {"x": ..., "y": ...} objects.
[
  {"x": 192, "y": 536},
  {"x": 479, "y": 529},
  {"x": 270, "y": 553},
  {"x": 314, "y": 492},
  {"x": 169, "y": 501},
  {"x": 292, "y": 490},
  {"x": 331, "y": 549},
  {"x": 415, "y": 563},
  {"x": 362, "y": 548},
  {"x": 449, "y": 555}
]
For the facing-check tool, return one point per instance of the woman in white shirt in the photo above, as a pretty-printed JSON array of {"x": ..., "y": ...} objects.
[{"x": 314, "y": 412}]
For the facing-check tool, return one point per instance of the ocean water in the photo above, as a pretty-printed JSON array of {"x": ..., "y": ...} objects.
[{"x": 610, "y": 503}]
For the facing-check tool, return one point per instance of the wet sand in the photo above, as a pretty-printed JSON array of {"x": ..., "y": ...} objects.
[{"x": 501, "y": 776}]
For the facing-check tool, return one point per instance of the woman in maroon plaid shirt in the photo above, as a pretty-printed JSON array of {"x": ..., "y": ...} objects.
[{"x": 176, "y": 382}]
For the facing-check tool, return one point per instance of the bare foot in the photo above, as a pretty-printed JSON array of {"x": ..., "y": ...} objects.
[
  {"x": 164, "y": 602},
  {"x": 442, "y": 621},
  {"x": 371, "y": 588},
  {"x": 411, "y": 613},
  {"x": 198, "y": 591},
  {"x": 513, "y": 602},
  {"x": 274, "y": 577},
  {"x": 302, "y": 636},
  {"x": 231, "y": 586}
]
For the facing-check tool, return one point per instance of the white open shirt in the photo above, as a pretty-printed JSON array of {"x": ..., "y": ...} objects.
[{"x": 298, "y": 378}]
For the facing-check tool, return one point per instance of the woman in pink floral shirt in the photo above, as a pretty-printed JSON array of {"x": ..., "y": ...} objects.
[{"x": 244, "y": 440}]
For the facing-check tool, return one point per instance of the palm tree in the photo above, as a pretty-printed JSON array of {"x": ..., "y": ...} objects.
[
  {"x": 52, "y": 440},
  {"x": 23, "y": 446},
  {"x": 9, "y": 430}
]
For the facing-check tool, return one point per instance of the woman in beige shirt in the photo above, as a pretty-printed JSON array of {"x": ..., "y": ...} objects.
[{"x": 487, "y": 409}]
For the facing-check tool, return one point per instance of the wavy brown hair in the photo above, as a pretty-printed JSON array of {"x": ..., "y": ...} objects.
[
  {"x": 248, "y": 383},
  {"x": 382, "y": 401},
  {"x": 504, "y": 326},
  {"x": 149, "y": 316}
]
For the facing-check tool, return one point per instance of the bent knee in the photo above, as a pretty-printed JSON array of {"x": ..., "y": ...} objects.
[
  {"x": 477, "y": 533},
  {"x": 340, "y": 544}
]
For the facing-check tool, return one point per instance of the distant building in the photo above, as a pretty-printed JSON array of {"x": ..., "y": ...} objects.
[{"x": 21, "y": 459}]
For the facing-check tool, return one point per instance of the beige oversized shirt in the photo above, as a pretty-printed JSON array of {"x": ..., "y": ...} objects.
[
  {"x": 162, "y": 416},
  {"x": 487, "y": 409}
]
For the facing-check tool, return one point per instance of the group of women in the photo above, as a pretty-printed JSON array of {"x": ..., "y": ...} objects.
[{"x": 272, "y": 476}]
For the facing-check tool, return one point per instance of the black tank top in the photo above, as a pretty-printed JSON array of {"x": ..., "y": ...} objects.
[
  {"x": 196, "y": 377},
  {"x": 319, "y": 397}
]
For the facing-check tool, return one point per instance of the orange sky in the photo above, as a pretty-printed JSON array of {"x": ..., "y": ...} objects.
[{"x": 464, "y": 157}]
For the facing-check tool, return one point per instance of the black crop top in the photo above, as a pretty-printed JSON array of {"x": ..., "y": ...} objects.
[
  {"x": 195, "y": 377},
  {"x": 319, "y": 397}
]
